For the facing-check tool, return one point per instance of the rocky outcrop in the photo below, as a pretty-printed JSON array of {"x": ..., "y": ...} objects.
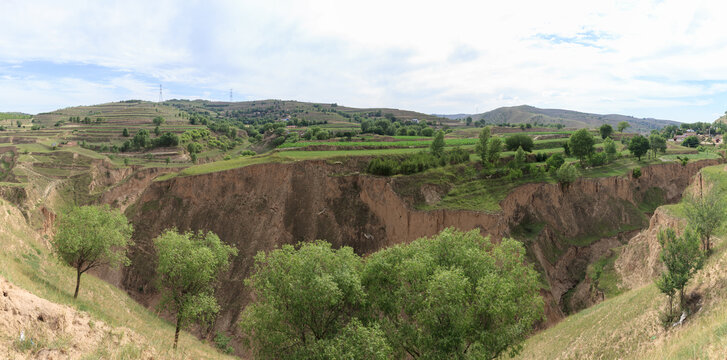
[{"x": 260, "y": 207}]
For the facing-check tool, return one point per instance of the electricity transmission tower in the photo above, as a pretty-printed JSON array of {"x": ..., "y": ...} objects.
[{"x": 160, "y": 93}]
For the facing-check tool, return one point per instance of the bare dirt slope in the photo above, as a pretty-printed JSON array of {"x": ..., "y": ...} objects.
[{"x": 34, "y": 328}]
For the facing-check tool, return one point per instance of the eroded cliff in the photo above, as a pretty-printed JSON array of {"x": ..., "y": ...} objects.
[{"x": 260, "y": 207}]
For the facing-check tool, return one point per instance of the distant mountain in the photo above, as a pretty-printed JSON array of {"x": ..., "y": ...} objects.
[
  {"x": 574, "y": 119},
  {"x": 452, "y": 116}
]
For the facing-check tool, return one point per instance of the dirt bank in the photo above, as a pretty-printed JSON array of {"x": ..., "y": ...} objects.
[{"x": 260, "y": 207}]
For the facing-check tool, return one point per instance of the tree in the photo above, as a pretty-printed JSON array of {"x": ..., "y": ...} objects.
[
  {"x": 455, "y": 295},
  {"x": 437, "y": 147},
  {"x": 519, "y": 157},
  {"x": 554, "y": 162},
  {"x": 125, "y": 133},
  {"x": 606, "y": 130},
  {"x": 157, "y": 131},
  {"x": 158, "y": 121},
  {"x": 609, "y": 147},
  {"x": 494, "y": 148},
  {"x": 19, "y": 123},
  {"x": 638, "y": 146},
  {"x": 519, "y": 140},
  {"x": 91, "y": 236},
  {"x": 306, "y": 299},
  {"x": 482, "y": 144},
  {"x": 705, "y": 212},
  {"x": 141, "y": 139},
  {"x": 691, "y": 141},
  {"x": 581, "y": 144},
  {"x": 682, "y": 258},
  {"x": 188, "y": 265},
  {"x": 468, "y": 121},
  {"x": 566, "y": 174},
  {"x": 622, "y": 126},
  {"x": 657, "y": 143}
]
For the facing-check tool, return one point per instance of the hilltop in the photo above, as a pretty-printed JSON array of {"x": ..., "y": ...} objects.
[{"x": 530, "y": 114}]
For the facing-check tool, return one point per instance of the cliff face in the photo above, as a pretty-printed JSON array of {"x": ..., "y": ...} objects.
[{"x": 260, "y": 207}]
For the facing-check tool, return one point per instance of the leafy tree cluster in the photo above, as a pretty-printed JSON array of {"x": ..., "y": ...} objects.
[
  {"x": 691, "y": 141},
  {"x": 512, "y": 143},
  {"x": 455, "y": 295},
  {"x": 414, "y": 163},
  {"x": 682, "y": 257},
  {"x": 142, "y": 140},
  {"x": 388, "y": 127}
]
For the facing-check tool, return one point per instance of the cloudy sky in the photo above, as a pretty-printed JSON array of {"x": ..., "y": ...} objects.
[{"x": 663, "y": 59}]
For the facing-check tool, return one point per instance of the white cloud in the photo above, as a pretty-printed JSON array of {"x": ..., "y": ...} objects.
[{"x": 649, "y": 57}]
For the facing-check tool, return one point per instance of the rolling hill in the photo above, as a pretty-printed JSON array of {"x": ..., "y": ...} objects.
[{"x": 569, "y": 118}]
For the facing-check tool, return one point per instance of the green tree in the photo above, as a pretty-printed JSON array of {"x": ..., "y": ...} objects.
[
  {"x": 554, "y": 162},
  {"x": 454, "y": 296},
  {"x": 581, "y": 144},
  {"x": 157, "y": 131},
  {"x": 609, "y": 147},
  {"x": 468, "y": 121},
  {"x": 125, "y": 133},
  {"x": 638, "y": 146},
  {"x": 519, "y": 140},
  {"x": 691, "y": 141},
  {"x": 566, "y": 174},
  {"x": 437, "y": 147},
  {"x": 682, "y": 258},
  {"x": 482, "y": 144},
  {"x": 606, "y": 130},
  {"x": 622, "y": 126},
  {"x": 306, "y": 298},
  {"x": 91, "y": 236},
  {"x": 657, "y": 144},
  {"x": 158, "y": 121},
  {"x": 705, "y": 213},
  {"x": 19, "y": 123},
  {"x": 519, "y": 157},
  {"x": 188, "y": 265},
  {"x": 494, "y": 148}
]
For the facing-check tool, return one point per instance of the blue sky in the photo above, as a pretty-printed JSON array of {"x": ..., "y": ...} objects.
[{"x": 662, "y": 59}]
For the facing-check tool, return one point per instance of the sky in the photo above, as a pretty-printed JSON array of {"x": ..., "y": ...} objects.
[{"x": 662, "y": 59}]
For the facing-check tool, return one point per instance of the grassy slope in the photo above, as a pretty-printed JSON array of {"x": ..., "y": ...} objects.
[
  {"x": 28, "y": 263},
  {"x": 627, "y": 325}
]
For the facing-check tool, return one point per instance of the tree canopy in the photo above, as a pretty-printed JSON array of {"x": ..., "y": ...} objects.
[
  {"x": 187, "y": 268},
  {"x": 306, "y": 300},
  {"x": 581, "y": 144},
  {"x": 605, "y": 130},
  {"x": 455, "y": 295},
  {"x": 622, "y": 126},
  {"x": 519, "y": 140},
  {"x": 657, "y": 144},
  {"x": 705, "y": 213},
  {"x": 682, "y": 258},
  {"x": 91, "y": 236},
  {"x": 481, "y": 147},
  {"x": 638, "y": 146},
  {"x": 437, "y": 147}
]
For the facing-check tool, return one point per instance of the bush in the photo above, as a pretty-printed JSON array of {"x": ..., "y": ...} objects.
[
  {"x": 248, "y": 153},
  {"x": 540, "y": 157},
  {"x": 636, "y": 173},
  {"x": 382, "y": 166},
  {"x": 222, "y": 342},
  {"x": 597, "y": 159},
  {"x": 554, "y": 162},
  {"x": 691, "y": 141},
  {"x": 513, "y": 174},
  {"x": 513, "y": 142},
  {"x": 566, "y": 174}
]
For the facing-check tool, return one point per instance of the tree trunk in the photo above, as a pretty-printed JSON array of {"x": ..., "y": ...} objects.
[
  {"x": 78, "y": 282},
  {"x": 176, "y": 334}
]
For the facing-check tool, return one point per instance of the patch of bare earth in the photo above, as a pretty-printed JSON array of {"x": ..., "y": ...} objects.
[{"x": 34, "y": 328}]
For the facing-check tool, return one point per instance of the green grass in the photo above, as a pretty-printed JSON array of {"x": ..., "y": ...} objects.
[{"x": 28, "y": 264}]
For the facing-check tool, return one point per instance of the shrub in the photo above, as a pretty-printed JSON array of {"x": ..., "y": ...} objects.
[
  {"x": 381, "y": 166},
  {"x": 248, "y": 153},
  {"x": 554, "y": 162},
  {"x": 597, "y": 159},
  {"x": 513, "y": 174},
  {"x": 636, "y": 173},
  {"x": 222, "y": 342},
  {"x": 566, "y": 174},
  {"x": 540, "y": 157}
]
